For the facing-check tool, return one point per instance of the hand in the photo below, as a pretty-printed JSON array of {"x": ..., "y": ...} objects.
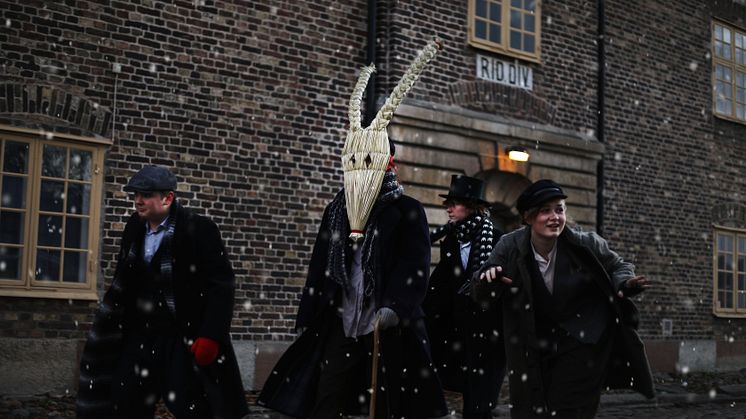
[
  {"x": 638, "y": 283},
  {"x": 386, "y": 318},
  {"x": 205, "y": 351},
  {"x": 493, "y": 273}
]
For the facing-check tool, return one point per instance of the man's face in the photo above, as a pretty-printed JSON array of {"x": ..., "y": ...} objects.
[
  {"x": 153, "y": 206},
  {"x": 549, "y": 220},
  {"x": 456, "y": 210}
]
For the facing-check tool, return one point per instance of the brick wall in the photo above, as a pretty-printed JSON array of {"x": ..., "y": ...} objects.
[
  {"x": 566, "y": 78},
  {"x": 667, "y": 159},
  {"x": 247, "y": 102},
  {"x": 241, "y": 99}
]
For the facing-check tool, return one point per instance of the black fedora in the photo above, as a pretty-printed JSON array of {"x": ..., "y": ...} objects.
[{"x": 466, "y": 188}]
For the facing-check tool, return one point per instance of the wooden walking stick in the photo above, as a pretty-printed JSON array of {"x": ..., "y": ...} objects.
[{"x": 374, "y": 378}]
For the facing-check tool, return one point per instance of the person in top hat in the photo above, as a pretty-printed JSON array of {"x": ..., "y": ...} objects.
[
  {"x": 162, "y": 330},
  {"x": 570, "y": 327},
  {"x": 466, "y": 341}
]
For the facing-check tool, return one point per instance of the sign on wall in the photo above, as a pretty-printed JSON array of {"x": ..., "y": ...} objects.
[{"x": 505, "y": 72}]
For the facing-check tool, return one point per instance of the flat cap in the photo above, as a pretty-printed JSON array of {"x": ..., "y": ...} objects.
[
  {"x": 152, "y": 179},
  {"x": 538, "y": 193}
]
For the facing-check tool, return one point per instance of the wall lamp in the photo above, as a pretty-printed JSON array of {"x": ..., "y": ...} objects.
[{"x": 517, "y": 153}]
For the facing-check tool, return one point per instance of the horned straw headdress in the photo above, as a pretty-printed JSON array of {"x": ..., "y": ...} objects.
[{"x": 365, "y": 156}]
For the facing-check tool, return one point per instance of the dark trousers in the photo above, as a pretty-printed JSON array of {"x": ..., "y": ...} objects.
[
  {"x": 574, "y": 374},
  {"x": 157, "y": 366},
  {"x": 340, "y": 371}
]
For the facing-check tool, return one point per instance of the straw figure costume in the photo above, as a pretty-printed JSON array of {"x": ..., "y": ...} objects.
[
  {"x": 369, "y": 266},
  {"x": 162, "y": 329},
  {"x": 570, "y": 327},
  {"x": 466, "y": 339}
]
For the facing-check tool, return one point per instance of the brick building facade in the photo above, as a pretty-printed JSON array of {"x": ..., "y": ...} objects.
[{"x": 247, "y": 103}]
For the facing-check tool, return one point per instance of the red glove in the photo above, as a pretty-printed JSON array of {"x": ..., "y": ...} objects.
[{"x": 205, "y": 351}]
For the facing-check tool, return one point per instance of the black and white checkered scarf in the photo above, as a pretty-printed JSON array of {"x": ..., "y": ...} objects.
[{"x": 476, "y": 229}]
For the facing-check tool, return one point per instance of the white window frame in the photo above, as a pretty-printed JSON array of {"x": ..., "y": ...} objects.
[
  {"x": 28, "y": 285},
  {"x": 735, "y": 234},
  {"x": 728, "y": 70},
  {"x": 503, "y": 47}
]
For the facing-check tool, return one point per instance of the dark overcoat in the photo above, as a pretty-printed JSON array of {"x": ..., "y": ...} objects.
[
  {"x": 628, "y": 367},
  {"x": 402, "y": 256},
  {"x": 203, "y": 293},
  {"x": 466, "y": 340}
]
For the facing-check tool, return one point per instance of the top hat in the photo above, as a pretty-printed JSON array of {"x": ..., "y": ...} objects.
[
  {"x": 466, "y": 188},
  {"x": 539, "y": 192}
]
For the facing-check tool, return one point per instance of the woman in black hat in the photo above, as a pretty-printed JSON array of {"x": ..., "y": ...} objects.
[
  {"x": 466, "y": 341},
  {"x": 570, "y": 329}
]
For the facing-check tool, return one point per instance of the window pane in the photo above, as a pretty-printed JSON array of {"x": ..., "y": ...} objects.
[
  {"x": 11, "y": 227},
  {"x": 529, "y": 5},
  {"x": 15, "y": 157},
  {"x": 495, "y": 34},
  {"x": 481, "y": 9},
  {"x": 52, "y": 196},
  {"x": 719, "y": 48},
  {"x": 725, "y": 243},
  {"x": 50, "y": 230},
  {"x": 726, "y": 300},
  {"x": 496, "y": 12},
  {"x": 47, "y": 265},
  {"x": 739, "y": 40},
  {"x": 14, "y": 192},
  {"x": 718, "y": 32},
  {"x": 515, "y": 20},
  {"x": 480, "y": 29},
  {"x": 741, "y": 263},
  {"x": 528, "y": 23},
  {"x": 76, "y": 233},
  {"x": 741, "y": 112},
  {"x": 80, "y": 165},
  {"x": 741, "y": 300},
  {"x": 515, "y": 40},
  {"x": 528, "y": 43},
  {"x": 74, "y": 270},
  {"x": 53, "y": 164},
  {"x": 10, "y": 262},
  {"x": 516, "y": 3},
  {"x": 78, "y": 198}
]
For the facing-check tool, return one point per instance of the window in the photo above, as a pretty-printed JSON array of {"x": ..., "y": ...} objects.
[
  {"x": 49, "y": 215},
  {"x": 729, "y": 78},
  {"x": 730, "y": 272},
  {"x": 506, "y": 26}
]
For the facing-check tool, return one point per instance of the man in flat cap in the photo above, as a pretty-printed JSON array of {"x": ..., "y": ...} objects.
[{"x": 162, "y": 330}]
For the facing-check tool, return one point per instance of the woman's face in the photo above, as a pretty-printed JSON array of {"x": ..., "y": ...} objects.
[
  {"x": 456, "y": 210},
  {"x": 549, "y": 221}
]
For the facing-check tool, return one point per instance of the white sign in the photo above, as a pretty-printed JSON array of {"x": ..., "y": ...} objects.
[{"x": 505, "y": 72}]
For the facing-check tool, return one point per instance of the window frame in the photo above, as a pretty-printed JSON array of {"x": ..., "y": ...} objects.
[
  {"x": 735, "y": 233},
  {"x": 504, "y": 46},
  {"x": 28, "y": 285},
  {"x": 732, "y": 65}
]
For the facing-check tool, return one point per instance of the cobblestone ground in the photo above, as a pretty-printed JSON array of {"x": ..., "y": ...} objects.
[{"x": 693, "y": 396}]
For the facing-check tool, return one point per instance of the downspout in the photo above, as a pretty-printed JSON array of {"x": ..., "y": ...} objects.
[
  {"x": 370, "y": 91},
  {"x": 601, "y": 95}
]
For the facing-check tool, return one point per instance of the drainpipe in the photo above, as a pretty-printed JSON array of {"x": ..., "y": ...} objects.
[
  {"x": 601, "y": 93},
  {"x": 370, "y": 90}
]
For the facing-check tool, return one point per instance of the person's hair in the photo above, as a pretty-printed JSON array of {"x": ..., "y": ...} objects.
[
  {"x": 473, "y": 205},
  {"x": 532, "y": 211}
]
